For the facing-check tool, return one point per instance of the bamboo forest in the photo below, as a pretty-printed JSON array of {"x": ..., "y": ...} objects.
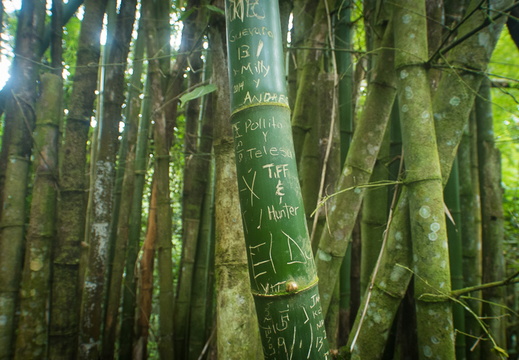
[{"x": 259, "y": 179}]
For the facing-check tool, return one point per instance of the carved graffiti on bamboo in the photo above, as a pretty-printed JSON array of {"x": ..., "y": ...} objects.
[
  {"x": 241, "y": 9},
  {"x": 262, "y": 265},
  {"x": 249, "y": 186}
]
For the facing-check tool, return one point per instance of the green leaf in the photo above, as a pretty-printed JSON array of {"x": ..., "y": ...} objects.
[
  {"x": 197, "y": 92},
  {"x": 216, "y": 9}
]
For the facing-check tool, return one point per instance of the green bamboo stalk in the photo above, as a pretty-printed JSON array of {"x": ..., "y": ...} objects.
[
  {"x": 424, "y": 181},
  {"x": 375, "y": 211},
  {"x": 343, "y": 208},
  {"x": 135, "y": 229},
  {"x": 470, "y": 229},
  {"x": 198, "y": 334},
  {"x": 146, "y": 270},
  {"x": 382, "y": 299},
  {"x": 305, "y": 105},
  {"x": 236, "y": 322},
  {"x": 343, "y": 36},
  {"x": 200, "y": 314},
  {"x": 124, "y": 184},
  {"x": 20, "y": 113},
  {"x": 64, "y": 303},
  {"x": 450, "y": 112},
  {"x": 281, "y": 268},
  {"x": 194, "y": 178},
  {"x": 98, "y": 269},
  {"x": 31, "y": 341},
  {"x": 452, "y": 201},
  {"x": 161, "y": 176},
  {"x": 492, "y": 222}
]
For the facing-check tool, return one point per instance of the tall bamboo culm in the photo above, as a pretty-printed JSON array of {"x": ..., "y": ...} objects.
[{"x": 281, "y": 267}]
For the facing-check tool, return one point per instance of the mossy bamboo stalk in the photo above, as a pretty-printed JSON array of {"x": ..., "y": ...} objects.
[
  {"x": 195, "y": 178},
  {"x": 122, "y": 204},
  {"x": 346, "y": 105},
  {"x": 34, "y": 290},
  {"x": 281, "y": 267},
  {"x": 64, "y": 303},
  {"x": 470, "y": 230},
  {"x": 97, "y": 268},
  {"x": 449, "y": 110},
  {"x": 161, "y": 176},
  {"x": 135, "y": 228},
  {"x": 198, "y": 334},
  {"x": 344, "y": 207},
  {"x": 236, "y": 322},
  {"x": 492, "y": 222},
  {"x": 199, "y": 320},
  {"x": 20, "y": 115},
  {"x": 452, "y": 202},
  {"x": 382, "y": 299},
  {"x": 424, "y": 181},
  {"x": 146, "y": 270},
  {"x": 375, "y": 210},
  {"x": 305, "y": 105}
]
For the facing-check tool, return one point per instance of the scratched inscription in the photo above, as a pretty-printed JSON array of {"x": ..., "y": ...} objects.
[
  {"x": 254, "y": 80},
  {"x": 290, "y": 331}
]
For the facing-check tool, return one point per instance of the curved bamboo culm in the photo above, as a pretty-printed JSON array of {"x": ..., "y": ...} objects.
[{"x": 281, "y": 267}]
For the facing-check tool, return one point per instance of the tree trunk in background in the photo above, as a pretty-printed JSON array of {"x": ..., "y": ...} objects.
[
  {"x": 492, "y": 223},
  {"x": 146, "y": 265},
  {"x": 452, "y": 202},
  {"x": 200, "y": 319},
  {"x": 236, "y": 322},
  {"x": 95, "y": 289},
  {"x": 200, "y": 308},
  {"x": 20, "y": 112},
  {"x": 470, "y": 230},
  {"x": 344, "y": 207},
  {"x": 195, "y": 176},
  {"x": 346, "y": 106},
  {"x": 34, "y": 293},
  {"x": 64, "y": 305},
  {"x": 305, "y": 107},
  {"x": 125, "y": 187},
  {"x": 161, "y": 177},
  {"x": 127, "y": 334},
  {"x": 281, "y": 267}
]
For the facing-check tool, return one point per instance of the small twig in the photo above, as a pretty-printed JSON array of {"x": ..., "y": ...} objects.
[{"x": 514, "y": 278}]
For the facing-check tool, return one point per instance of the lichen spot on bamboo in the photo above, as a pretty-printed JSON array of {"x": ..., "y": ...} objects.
[
  {"x": 484, "y": 39},
  {"x": 425, "y": 116},
  {"x": 406, "y": 18},
  {"x": 36, "y": 264},
  {"x": 409, "y": 94},
  {"x": 323, "y": 255},
  {"x": 397, "y": 273},
  {"x": 405, "y": 108},
  {"x": 427, "y": 351},
  {"x": 455, "y": 101},
  {"x": 425, "y": 211},
  {"x": 403, "y": 74}
]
